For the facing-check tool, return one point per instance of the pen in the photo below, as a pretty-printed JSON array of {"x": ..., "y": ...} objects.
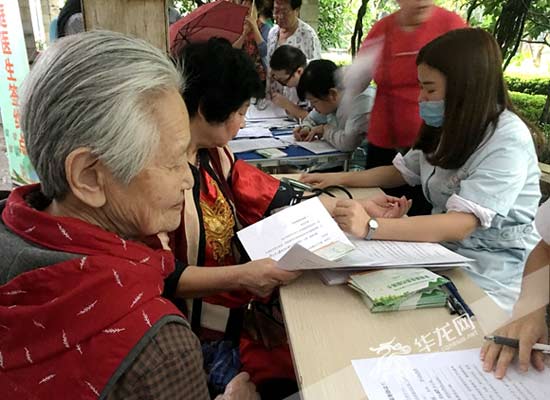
[
  {"x": 515, "y": 343},
  {"x": 454, "y": 292}
]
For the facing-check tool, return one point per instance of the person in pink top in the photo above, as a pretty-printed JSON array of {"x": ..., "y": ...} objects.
[{"x": 395, "y": 121}]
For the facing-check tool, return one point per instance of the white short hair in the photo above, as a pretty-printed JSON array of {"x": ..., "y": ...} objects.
[{"x": 94, "y": 90}]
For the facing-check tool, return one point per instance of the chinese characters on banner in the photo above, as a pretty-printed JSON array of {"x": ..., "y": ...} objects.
[{"x": 14, "y": 66}]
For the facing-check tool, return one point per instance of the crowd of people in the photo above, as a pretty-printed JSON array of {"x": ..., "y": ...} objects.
[{"x": 125, "y": 255}]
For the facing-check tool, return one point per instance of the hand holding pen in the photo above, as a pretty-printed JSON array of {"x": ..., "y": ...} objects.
[
  {"x": 525, "y": 333},
  {"x": 307, "y": 133}
]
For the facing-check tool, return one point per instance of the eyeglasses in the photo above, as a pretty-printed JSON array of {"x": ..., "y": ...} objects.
[{"x": 285, "y": 81}]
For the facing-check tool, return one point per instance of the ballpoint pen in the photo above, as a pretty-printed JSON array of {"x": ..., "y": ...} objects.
[
  {"x": 545, "y": 348},
  {"x": 459, "y": 300}
]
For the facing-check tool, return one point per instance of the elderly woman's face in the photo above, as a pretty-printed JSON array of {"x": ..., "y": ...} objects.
[
  {"x": 153, "y": 201},
  {"x": 284, "y": 15}
]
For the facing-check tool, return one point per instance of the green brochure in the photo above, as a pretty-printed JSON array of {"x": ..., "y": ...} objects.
[{"x": 400, "y": 289}]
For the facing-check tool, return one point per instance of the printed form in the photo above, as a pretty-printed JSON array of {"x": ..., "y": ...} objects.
[
  {"x": 454, "y": 375},
  {"x": 307, "y": 223}
]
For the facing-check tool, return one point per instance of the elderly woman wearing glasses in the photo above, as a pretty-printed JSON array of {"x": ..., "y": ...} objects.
[
  {"x": 81, "y": 312},
  {"x": 290, "y": 30}
]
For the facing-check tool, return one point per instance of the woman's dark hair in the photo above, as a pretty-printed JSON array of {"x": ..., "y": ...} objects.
[
  {"x": 294, "y": 4},
  {"x": 475, "y": 95},
  {"x": 265, "y": 8},
  {"x": 219, "y": 79},
  {"x": 287, "y": 58},
  {"x": 70, "y": 8},
  {"x": 317, "y": 79}
]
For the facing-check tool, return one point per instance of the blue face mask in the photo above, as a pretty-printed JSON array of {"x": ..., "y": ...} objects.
[{"x": 432, "y": 112}]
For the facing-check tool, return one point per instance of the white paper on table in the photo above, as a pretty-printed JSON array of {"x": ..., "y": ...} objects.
[
  {"x": 380, "y": 253},
  {"x": 288, "y": 139},
  {"x": 455, "y": 375},
  {"x": 270, "y": 123},
  {"x": 333, "y": 277},
  {"x": 317, "y": 146},
  {"x": 253, "y": 132},
  {"x": 270, "y": 112},
  {"x": 308, "y": 224},
  {"x": 242, "y": 145}
]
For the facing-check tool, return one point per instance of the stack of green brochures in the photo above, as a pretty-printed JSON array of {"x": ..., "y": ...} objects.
[{"x": 400, "y": 289}]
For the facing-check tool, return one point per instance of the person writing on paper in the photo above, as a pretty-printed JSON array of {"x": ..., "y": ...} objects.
[
  {"x": 326, "y": 122},
  {"x": 81, "y": 312},
  {"x": 529, "y": 320},
  {"x": 287, "y": 65},
  {"x": 475, "y": 160}
]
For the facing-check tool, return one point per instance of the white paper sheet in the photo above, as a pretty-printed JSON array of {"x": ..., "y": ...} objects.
[
  {"x": 270, "y": 112},
  {"x": 333, "y": 277},
  {"x": 455, "y": 375},
  {"x": 317, "y": 146},
  {"x": 289, "y": 139},
  {"x": 242, "y": 145},
  {"x": 271, "y": 123},
  {"x": 253, "y": 132},
  {"x": 394, "y": 253},
  {"x": 308, "y": 224}
]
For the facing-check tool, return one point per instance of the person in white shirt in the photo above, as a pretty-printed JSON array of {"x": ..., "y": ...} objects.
[
  {"x": 343, "y": 129},
  {"x": 287, "y": 65}
]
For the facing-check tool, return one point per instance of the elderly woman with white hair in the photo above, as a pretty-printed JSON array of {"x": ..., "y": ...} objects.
[{"x": 81, "y": 311}]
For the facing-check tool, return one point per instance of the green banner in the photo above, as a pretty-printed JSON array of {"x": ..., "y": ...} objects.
[{"x": 14, "y": 66}]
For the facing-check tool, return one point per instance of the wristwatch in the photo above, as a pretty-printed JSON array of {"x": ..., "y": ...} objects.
[{"x": 373, "y": 226}]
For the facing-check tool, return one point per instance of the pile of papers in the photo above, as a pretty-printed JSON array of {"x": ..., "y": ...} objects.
[
  {"x": 267, "y": 116},
  {"x": 305, "y": 237},
  {"x": 400, "y": 289}
]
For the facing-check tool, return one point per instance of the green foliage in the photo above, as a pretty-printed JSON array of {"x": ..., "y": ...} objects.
[
  {"x": 335, "y": 17},
  {"x": 528, "y": 85},
  {"x": 185, "y": 6},
  {"x": 529, "y": 106},
  {"x": 544, "y": 156}
]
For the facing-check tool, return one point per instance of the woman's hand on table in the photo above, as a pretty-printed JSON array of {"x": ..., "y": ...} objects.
[
  {"x": 351, "y": 217},
  {"x": 529, "y": 330},
  {"x": 384, "y": 206},
  {"x": 322, "y": 180},
  {"x": 261, "y": 277}
]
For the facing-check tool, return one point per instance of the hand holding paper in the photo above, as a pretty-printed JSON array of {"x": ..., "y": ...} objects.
[{"x": 262, "y": 276}]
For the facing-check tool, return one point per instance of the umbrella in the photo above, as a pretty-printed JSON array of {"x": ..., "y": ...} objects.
[{"x": 221, "y": 18}]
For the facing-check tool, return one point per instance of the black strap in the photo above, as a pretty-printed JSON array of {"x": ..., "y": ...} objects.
[{"x": 196, "y": 316}]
